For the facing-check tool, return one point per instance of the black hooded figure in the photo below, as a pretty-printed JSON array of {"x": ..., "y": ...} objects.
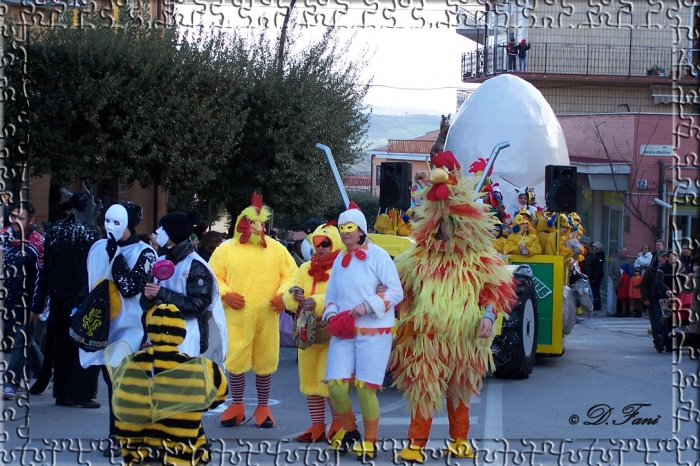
[{"x": 65, "y": 261}]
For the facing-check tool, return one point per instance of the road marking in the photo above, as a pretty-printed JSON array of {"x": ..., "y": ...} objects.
[
  {"x": 393, "y": 406},
  {"x": 493, "y": 425},
  {"x": 406, "y": 420},
  {"x": 246, "y": 401}
]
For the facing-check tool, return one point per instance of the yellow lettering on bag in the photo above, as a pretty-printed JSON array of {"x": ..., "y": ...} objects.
[{"x": 92, "y": 321}]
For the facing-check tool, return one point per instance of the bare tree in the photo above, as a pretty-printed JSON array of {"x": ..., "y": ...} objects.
[{"x": 633, "y": 203}]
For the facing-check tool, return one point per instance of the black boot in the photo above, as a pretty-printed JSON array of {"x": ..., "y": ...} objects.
[{"x": 348, "y": 441}]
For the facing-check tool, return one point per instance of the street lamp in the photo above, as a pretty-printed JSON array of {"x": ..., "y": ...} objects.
[{"x": 627, "y": 6}]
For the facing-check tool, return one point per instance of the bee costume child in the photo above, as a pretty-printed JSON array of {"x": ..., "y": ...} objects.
[{"x": 160, "y": 394}]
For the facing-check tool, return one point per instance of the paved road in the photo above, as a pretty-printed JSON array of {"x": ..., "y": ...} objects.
[{"x": 608, "y": 361}]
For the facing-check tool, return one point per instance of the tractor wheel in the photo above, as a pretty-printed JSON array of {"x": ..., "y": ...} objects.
[{"x": 514, "y": 350}]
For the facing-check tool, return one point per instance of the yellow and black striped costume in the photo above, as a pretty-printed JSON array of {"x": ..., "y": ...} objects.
[{"x": 160, "y": 394}]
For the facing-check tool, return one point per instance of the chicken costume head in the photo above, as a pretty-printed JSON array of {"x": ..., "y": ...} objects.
[
  {"x": 250, "y": 224},
  {"x": 330, "y": 231},
  {"x": 450, "y": 276}
]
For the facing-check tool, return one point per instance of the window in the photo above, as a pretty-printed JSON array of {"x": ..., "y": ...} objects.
[
  {"x": 612, "y": 230},
  {"x": 584, "y": 202},
  {"x": 684, "y": 227}
]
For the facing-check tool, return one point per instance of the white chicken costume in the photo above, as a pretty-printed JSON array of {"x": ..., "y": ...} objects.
[
  {"x": 252, "y": 275},
  {"x": 360, "y": 356}
]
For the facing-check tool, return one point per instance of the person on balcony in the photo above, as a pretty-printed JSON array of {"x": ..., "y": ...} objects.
[
  {"x": 522, "y": 49},
  {"x": 512, "y": 52}
]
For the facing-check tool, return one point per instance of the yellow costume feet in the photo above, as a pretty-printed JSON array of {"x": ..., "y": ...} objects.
[
  {"x": 315, "y": 433},
  {"x": 233, "y": 416},
  {"x": 346, "y": 442},
  {"x": 263, "y": 417},
  {"x": 412, "y": 453},
  {"x": 365, "y": 450},
  {"x": 459, "y": 448}
]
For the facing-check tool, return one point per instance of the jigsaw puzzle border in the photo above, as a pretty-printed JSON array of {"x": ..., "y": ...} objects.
[{"x": 384, "y": 14}]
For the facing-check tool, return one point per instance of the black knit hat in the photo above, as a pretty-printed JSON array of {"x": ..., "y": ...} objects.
[
  {"x": 134, "y": 213},
  {"x": 77, "y": 201},
  {"x": 177, "y": 225}
]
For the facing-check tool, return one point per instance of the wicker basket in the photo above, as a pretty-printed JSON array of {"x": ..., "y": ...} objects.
[{"x": 322, "y": 336}]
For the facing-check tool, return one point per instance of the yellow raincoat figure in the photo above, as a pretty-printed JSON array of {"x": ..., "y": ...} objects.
[
  {"x": 160, "y": 394},
  {"x": 307, "y": 292},
  {"x": 253, "y": 273},
  {"x": 546, "y": 233},
  {"x": 522, "y": 241},
  {"x": 499, "y": 242}
]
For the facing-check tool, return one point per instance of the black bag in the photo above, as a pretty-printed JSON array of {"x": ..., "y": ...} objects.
[{"x": 89, "y": 326}]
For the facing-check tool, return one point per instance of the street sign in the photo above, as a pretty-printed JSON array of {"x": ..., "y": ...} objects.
[{"x": 650, "y": 149}]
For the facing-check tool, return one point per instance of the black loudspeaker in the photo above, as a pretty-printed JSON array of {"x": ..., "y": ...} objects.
[
  {"x": 395, "y": 185},
  {"x": 560, "y": 188}
]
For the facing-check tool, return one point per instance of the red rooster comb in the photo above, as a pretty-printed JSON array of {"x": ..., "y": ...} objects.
[
  {"x": 446, "y": 159},
  {"x": 256, "y": 201},
  {"x": 479, "y": 165},
  {"x": 332, "y": 223},
  {"x": 352, "y": 205}
]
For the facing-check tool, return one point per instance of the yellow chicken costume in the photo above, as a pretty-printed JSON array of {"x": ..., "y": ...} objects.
[
  {"x": 499, "y": 242},
  {"x": 160, "y": 394},
  {"x": 312, "y": 277},
  {"x": 546, "y": 234},
  {"x": 454, "y": 283},
  {"x": 522, "y": 237},
  {"x": 565, "y": 238},
  {"x": 253, "y": 275}
]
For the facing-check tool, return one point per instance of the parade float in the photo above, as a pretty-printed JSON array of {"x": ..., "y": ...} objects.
[{"x": 507, "y": 108}]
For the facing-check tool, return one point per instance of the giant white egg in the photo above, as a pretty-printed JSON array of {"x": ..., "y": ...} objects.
[{"x": 508, "y": 108}]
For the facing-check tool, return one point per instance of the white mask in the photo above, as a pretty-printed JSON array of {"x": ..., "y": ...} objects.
[
  {"x": 116, "y": 221},
  {"x": 161, "y": 237}
]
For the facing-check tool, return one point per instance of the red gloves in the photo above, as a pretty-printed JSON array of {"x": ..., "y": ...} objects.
[
  {"x": 342, "y": 326},
  {"x": 234, "y": 300},
  {"x": 277, "y": 304}
]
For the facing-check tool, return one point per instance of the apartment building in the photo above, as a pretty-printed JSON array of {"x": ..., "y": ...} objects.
[{"x": 617, "y": 75}]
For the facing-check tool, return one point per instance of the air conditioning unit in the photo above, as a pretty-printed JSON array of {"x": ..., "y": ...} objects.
[{"x": 641, "y": 184}]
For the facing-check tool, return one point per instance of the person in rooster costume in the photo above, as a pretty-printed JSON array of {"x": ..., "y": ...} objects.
[
  {"x": 360, "y": 321},
  {"x": 252, "y": 273},
  {"x": 455, "y": 285},
  {"x": 307, "y": 291}
]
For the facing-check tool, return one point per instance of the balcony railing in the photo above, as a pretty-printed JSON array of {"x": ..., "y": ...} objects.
[{"x": 587, "y": 60}]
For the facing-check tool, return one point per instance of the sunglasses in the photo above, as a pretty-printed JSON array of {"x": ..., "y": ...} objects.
[{"x": 326, "y": 243}]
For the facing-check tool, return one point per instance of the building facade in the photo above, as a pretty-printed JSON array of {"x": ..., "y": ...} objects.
[{"x": 617, "y": 75}]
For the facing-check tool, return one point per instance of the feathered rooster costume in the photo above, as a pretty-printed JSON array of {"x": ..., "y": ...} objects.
[
  {"x": 252, "y": 274},
  {"x": 452, "y": 279}
]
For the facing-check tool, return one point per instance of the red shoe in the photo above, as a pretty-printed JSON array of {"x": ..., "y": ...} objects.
[
  {"x": 233, "y": 416},
  {"x": 336, "y": 426},
  {"x": 263, "y": 417},
  {"x": 315, "y": 433}
]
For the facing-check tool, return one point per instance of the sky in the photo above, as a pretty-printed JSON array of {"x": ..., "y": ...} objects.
[{"x": 415, "y": 69}]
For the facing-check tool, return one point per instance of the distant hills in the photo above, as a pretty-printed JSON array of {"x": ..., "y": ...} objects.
[{"x": 393, "y": 124}]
